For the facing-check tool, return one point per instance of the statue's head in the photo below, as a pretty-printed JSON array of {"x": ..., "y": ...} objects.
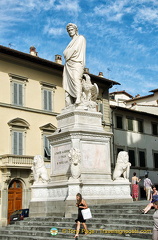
[
  {"x": 72, "y": 27},
  {"x": 123, "y": 157},
  {"x": 38, "y": 160}
]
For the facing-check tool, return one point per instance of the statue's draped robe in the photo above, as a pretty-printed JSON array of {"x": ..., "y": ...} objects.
[{"x": 74, "y": 55}]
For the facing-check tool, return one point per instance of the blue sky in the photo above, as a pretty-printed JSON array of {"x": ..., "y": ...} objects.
[{"x": 121, "y": 35}]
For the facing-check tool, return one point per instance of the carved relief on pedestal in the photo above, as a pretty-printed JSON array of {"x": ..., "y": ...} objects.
[
  {"x": 40, "y": 193},
  {"x": 75, "y": 162},
  {"x": 57, "y": 193},
  {"x": 102, "y": 191}
]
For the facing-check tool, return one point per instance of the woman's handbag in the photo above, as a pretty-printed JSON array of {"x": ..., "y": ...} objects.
[{"x": 86, "y": 213}]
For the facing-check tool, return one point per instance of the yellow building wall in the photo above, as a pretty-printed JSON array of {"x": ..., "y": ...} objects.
[
  {"x": 33, "y": 103},
  {"x": 33, "y": 141},
  {"x": 33, "y": 88}
]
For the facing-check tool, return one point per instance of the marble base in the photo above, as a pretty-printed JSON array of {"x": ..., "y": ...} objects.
[
  {"x": 60, "y": 196},
  {"x": 80, "y": 129}
]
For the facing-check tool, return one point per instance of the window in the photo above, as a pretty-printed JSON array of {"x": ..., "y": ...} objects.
[
  {"x": 130, "y": 124},
  {"x": 47, "y": 92},
  {"x": 155, "y": 155},
  {"x": 18, "y": 88},
  {"x": 47, "y": 130},
  {"x": 140, "y": 125},
  {"x": 100, "y": 108},
  {"x": 154, "y": 129},
  {"x": 131, "y": 154},
  {"x": 17, "y": 94},
  {"x": 119, "y": 122},
  {"x": 18, "y": 128},
  {"x": 47, "y": 100},
  {"x": 17, "y": 143},
  {"x": 47, "y": 147},
  {"x": 142, "y": 162}
]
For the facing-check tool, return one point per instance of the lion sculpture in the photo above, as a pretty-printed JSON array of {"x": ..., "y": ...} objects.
[
  {"x": 122, "y": 166},
  {"x": 39, "y": 170},
  {"x": 75, "y": 159}
]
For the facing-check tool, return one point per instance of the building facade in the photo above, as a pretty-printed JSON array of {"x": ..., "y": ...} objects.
[{"x": 135, "y": 130}]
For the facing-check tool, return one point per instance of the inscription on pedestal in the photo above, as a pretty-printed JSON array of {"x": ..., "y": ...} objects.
[{"x": 60, "y": 159}]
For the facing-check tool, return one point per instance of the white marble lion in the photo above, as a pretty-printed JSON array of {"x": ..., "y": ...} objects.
[
  {"x": 122, "y": 166},
  {"x": 39, "y": 170}
]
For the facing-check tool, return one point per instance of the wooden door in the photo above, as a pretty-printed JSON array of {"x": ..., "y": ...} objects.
[{"x": 14, "y": 197}]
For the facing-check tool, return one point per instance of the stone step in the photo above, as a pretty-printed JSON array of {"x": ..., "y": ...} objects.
[
  {"x": 132, "y": 216},
  {"x": 98, "y": 221},
  {"x": 90, "y": 237},
  {"x": 67, "y": 233},
  {"x": 100, "y": 229},
  {"x": 116, "y": 211},
  {"x": 127, "y": 206},
  {"x": 93, "y": 223},
  {"x": 109, "y": 222},
  {"x": 96, "y": 217}
]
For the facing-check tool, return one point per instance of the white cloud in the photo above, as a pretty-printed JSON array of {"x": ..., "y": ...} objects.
[
  {"x": 54, "y": 31},
  {"x": 147, "y": 15},
  {"x": 114, "y": 11},
  {"x": 72, "y": 6},
  {"x": 55, "y": 26}
]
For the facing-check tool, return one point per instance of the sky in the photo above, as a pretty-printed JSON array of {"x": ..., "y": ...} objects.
[{"x": 121, "y": 36}]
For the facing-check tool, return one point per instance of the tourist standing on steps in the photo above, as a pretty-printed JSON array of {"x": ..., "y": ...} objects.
[
  {"x": 81, "y": 204},
  {"x": 74, "y": 55},
  {"x": 135, "y": 187},
  {"x": 147, "y": 187},
  {"x": 155, "y": 217}
]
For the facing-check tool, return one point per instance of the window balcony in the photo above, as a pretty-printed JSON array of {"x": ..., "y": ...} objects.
[{"x": 16, "y": 161}]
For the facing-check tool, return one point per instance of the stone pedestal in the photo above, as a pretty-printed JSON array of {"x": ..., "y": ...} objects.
[{"x": 79, "y": 129}]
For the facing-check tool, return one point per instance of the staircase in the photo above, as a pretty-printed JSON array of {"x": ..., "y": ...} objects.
[{"x": 115, "y": 221}]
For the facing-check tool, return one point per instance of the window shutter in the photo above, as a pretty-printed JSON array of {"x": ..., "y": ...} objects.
[
  {"x": 100, "y": 109},
  {"x": 45, "y": 100},
  {"x": 17, "y": 143},
  {"x": 20, "y": 94},
  {"x": 46, "y": 147},
  {"x": 49, "y": 100},
  {"x": 20, "y": 143},
  {"x": 15, "y": 93}
]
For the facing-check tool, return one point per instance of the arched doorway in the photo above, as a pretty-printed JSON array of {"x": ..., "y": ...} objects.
[{"x": 14, "y": 197}]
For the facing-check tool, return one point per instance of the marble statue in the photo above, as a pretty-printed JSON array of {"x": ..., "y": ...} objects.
[
  {"x": 89, "y": 92},
  {"x": 39, "y": 170},
  {"x": 122, "y": 166},
  {"x": 74, "y": 55},
  {"x": 75, "y": 159}
]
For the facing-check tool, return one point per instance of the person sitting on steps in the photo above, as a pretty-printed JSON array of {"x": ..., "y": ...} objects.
[{"x": 151, "y": 205}]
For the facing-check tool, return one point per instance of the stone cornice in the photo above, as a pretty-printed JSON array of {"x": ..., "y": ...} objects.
[{"x": 6, "y": 105}]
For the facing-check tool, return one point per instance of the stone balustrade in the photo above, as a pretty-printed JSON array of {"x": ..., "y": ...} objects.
[{"x": 16, "y": 161}]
